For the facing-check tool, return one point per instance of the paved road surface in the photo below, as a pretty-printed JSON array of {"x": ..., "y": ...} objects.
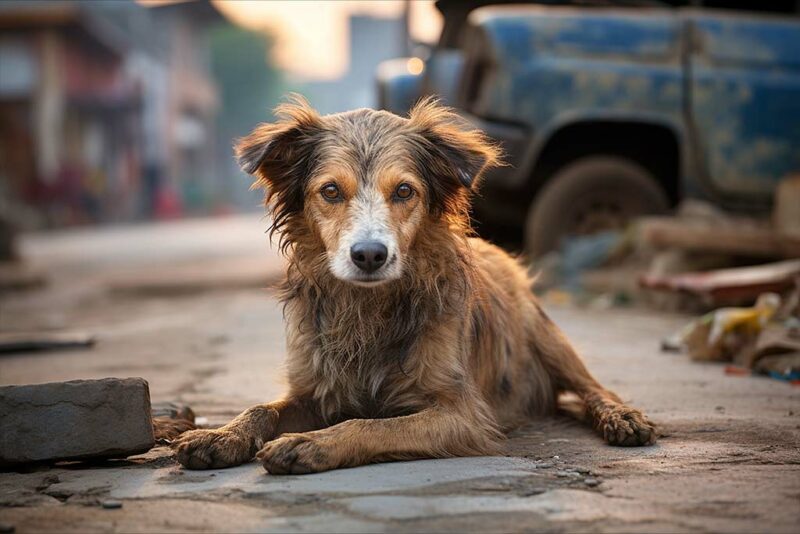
[{"x": 186, "y": 305}]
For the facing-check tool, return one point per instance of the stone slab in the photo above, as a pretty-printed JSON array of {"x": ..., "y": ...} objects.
[{"x": 79, "y": 419}]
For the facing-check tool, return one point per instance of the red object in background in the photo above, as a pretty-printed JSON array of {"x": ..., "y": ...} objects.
[
  {"x": 734, "y": 370},
  {"x": 168, "y": 204},
  {"x": 725, "y": 287}
]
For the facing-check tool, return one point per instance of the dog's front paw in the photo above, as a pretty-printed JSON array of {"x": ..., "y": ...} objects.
[
  {"x": 212, "y": 449},
  {"x": 627, "y": 427},
  {"x": 296, "y": 454}
]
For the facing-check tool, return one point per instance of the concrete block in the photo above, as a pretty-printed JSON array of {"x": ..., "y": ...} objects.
[{"x": 108, "y": 418}]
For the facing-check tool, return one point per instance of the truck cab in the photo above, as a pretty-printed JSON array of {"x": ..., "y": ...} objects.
[{"x": 612, "y": 111}]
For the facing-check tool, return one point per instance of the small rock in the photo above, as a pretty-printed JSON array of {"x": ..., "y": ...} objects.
[
  {"x": 544, "y": 465},
  {"x": 533, "y": 491},
  {"x": 591, "y": 482},
  {"x": 7, "y": 528},
  {"x": 59, "y": 493},
  {"x": 111, "y": 505},
  {"x": 562, "y": 474},
  {"x": 47, "y": 481}
]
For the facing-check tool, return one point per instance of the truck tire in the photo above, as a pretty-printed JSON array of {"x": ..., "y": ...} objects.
[{"x": 589, "y": 195}]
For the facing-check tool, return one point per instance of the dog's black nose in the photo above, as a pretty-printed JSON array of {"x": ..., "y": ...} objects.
[{"x": 368, "y": 255}]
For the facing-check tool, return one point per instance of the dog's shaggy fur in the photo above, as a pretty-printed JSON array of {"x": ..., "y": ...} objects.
[{"x": 437, "y": 352}]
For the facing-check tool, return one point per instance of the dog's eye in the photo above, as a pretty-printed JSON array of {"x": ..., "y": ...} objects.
[
  {"x": 330, "y": 192},
  {"x": 403, "y": 192}
]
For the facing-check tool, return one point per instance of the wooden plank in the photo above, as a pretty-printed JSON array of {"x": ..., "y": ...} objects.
[
  {"x": 724, "y": 238},
  {"x": 730, "y": 286},
  {"x": 36, "y": 341}
]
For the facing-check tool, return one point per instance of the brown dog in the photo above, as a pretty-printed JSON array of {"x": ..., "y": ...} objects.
[{"x": 406, "y": 337}]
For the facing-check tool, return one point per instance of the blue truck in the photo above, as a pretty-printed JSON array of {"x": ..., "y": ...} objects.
[{"x": 611, "y": 111}]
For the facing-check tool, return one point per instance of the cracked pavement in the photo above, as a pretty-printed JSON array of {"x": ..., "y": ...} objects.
[{"x": 186, "y": 305}]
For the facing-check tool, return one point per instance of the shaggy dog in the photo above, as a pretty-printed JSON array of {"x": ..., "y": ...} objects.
[{"x": 406, "y": 337}]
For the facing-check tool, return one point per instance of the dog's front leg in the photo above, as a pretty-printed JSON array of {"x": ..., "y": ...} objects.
[
  {"x": 431, "y": 433},
  {"x": 238, "y": 441}
]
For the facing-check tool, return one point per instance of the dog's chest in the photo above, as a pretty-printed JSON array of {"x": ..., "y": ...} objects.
[{"x": 361, "y": 362}]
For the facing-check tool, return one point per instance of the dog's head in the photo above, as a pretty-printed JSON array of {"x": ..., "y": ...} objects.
[{"x": 363, "y": 183}]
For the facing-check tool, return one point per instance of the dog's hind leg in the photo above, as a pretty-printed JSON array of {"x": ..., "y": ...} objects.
[
  {"x": 238, "y": 441},
  {"x": 618, "y": 423}
]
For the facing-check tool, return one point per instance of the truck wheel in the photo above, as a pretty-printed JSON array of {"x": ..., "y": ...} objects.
[{"x": 590, "y": 195}]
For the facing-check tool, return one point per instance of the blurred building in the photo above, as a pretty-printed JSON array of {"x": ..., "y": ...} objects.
[
  {"x": 372, "y": 40},
  {"x": 106, "y": 109}
]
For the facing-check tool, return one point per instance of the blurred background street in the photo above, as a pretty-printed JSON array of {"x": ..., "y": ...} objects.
[
  {"x": 115, "y": 111},
  {"x": 653, "y": 186}
]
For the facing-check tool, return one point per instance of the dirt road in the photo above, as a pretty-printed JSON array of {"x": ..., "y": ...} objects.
[{"x": 186, "y": 306}]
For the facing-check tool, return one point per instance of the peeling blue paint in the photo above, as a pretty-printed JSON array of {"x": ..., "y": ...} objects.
[{"x": 744, "y": 82}]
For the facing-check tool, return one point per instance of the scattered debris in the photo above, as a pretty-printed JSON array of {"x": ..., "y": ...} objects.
[
  {"x": 170, "y": 420},
  {"x": 720, "y": 335},
  {"x": 567, "y": 267},
  {"x": 673, "y": 343},
  {"x": 171, "y": 410},
  {"x": 735, "y": 370},
  {"x": 79, "y": 419},
  {"x": 699, "y": 259},
  {"x": 581, "y": 253},
  {"x": 38, "y": 341},
  {"x": 735, "y": 237},
  {"x": 777, "y": 352},
  {"x": 165, "y": 429},
  {"x": 763, "y": 339},
  {"x": 729, "y": 286}
]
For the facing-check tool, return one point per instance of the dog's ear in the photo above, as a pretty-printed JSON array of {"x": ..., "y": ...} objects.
[
  {"x": 450, "y": 153},
  {"x": 281, "y": 156},
  {"x": 276, "y": 152}
]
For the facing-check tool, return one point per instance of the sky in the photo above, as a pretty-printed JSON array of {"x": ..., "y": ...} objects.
[{"x": 312, "y": 36}]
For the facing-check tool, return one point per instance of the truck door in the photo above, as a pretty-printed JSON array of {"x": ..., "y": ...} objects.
[{"x": 743, "y": 101}]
